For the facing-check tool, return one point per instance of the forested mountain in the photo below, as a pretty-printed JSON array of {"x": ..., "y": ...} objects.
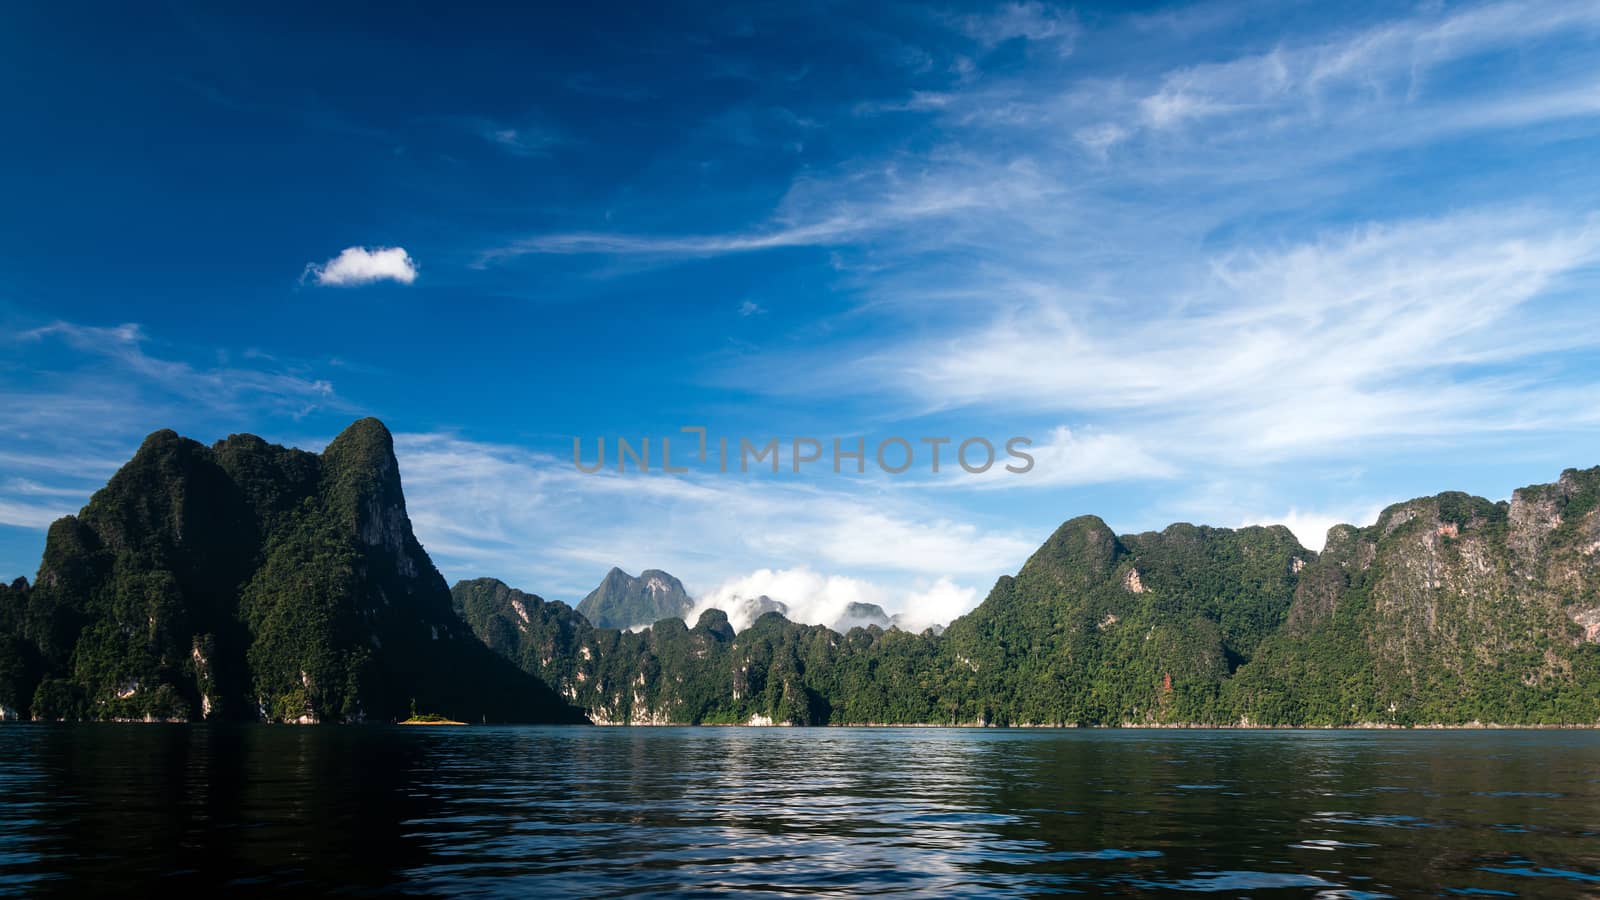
[
  {"x": 1449, "y": 610},
  {"x": 623, "y": 601},
  {"x": 668, "y": 673},
  {"x": 249, "y": 581}
]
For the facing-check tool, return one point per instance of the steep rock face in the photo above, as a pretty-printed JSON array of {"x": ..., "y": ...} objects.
[
  {"x": 1450, "y": 609},
  {"x": 18, "y": 655},
  {"x": 775, "y": 670},
  {"x": 250, "y": 581},
  {"x": 623, "y": 601},
  {"x": 665, "y": 674}
]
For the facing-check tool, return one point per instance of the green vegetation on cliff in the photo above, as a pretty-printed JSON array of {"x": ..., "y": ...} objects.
[
  {"x": 1087, "y": 632},
  {"x": 249, "y": 581},
  {"x": 246, "y": 581},
  {"x": 1449, "y": 610}
]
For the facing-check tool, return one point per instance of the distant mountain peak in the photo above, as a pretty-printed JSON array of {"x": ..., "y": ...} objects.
[
  {"x": 861, "y": 615},
  {"x": 624, "y": 601}
]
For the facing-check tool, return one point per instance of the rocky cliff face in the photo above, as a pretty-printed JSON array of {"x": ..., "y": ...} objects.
[
  {"x": 1448, "y": 610},
  {"x": 666, "y": 674},
  {"x": 663, "y": 675},
  {"x": 249, "y": 581}
]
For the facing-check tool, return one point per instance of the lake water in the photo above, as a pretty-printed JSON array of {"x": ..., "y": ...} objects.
[{"x": 680, "y": 811}]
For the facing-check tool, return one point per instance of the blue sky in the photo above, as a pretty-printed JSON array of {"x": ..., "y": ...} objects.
[{"x": 1223, "y": 263}]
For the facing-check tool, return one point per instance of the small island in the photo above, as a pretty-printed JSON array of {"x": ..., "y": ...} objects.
[
  {"x": 430, "y": 719},
  {"x": 427, "y": 718}
]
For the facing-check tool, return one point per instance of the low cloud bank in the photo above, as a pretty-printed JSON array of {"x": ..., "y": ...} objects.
[{"x": 837, "y": 601}]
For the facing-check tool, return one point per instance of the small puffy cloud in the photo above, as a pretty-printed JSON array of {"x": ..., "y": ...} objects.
[
  {"x": 751, "y": 308},
  {"x": 364, "y": 265}
]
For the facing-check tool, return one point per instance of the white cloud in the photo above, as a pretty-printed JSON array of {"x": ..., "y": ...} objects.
[
  {"x": 1376, "y": 333},
  {"x": 1100, "y": 138},
  {"x": 1311, "y": 527},
  {"x": 1148, "y": 256},
  {"x": 30, "y": 488},
  {"x": 96, "y": 391},
  {"x": 816, "y": 599},
  {"x": 131, "y": 369},
  {"x": 813, "y": 233},
  {"x": 1030, "y": 20},
  {"x": 1173, "y": 106},
  {"x": 860, "y": 204},
  {"x": 535, "y": 521},
  {"x": 919, "y": 101},
  {"x": 940, "y": 604},
  {"x": 1373, "y": 73},
  {"x": 1311, "y": 101},
  {"x": 1065, "y": 457},
  {"x": 34, "y": 515},
  {"x": 363, "y": 265},
  {"x": 811, "y": 598}
]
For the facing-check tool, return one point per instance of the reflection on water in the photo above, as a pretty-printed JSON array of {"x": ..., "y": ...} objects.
[{"x": 621, "y": 812}]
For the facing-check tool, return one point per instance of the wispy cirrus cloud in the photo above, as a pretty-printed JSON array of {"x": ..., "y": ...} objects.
[
  {"x": 800, "y": 235},
  {"x": 860, "y": 205},
  {"x": 1066, "y": 286},
  {"x": 1326, "y": 245},
  {"x": 1352, "y": 310},
  {"x": 1385, "y": 66},
  {"x": 95, "y": 391},
  {"x": 1369, "y": 344},
  {"x": 122, "y": 348},
  {"x": 1266, "y": 119},
  {"x": 1029, "y": 20},
  {"x": 1205, "y": 256},
  {"x": 1067, "y": 457},
  {"x": 524, "y": 136},
  {"x": 483, "y": 508}
]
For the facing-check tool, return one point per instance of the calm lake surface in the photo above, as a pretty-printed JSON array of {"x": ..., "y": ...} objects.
[{"x": 680, "y": 811}]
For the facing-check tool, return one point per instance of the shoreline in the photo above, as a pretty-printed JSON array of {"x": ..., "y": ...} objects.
[{"x": 1363, "y": 726}]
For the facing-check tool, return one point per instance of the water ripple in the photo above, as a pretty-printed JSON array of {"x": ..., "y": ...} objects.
[{"x": 846, "y": 812}]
